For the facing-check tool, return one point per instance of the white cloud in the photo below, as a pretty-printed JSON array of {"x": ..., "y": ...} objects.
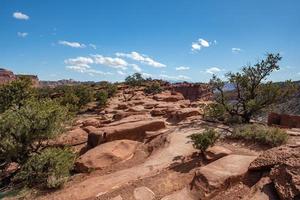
[
  {"x": 147, "y": 75},
  {"x": 117, "y": 63},
  {"x": 136, "y": 68},
  {"x": 23, "y": 35},
  {"x": 79, "y": 62},
  {"x": 93, "y": 46},
  {"x": 236, "y": 50},
  {"x": 141, "y": 58},
  {"x": 182, "y": 68},
  {"x": 21, "y": 16},
  {"x": 213, "y": 70},
  {"x": 198, "y": 45},
  {"x": 91, "y": 72},
  {"x": 72, "y": 44},
  {"x": 174, "y": 78}
]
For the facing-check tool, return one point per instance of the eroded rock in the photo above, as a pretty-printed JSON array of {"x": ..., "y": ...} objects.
[
  {"x": 106, "y": 155},
  {"x": 143, "y": 193}
]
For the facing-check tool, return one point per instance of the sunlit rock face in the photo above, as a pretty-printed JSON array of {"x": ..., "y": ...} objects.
[
  {"x": 6, "y": 76},
  {"x": 193, "y": 91}
]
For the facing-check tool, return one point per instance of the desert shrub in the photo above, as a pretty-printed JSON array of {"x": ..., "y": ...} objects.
[
  {"x": 15, "y": 93},
  {"x": 48, "y": 169},
  {"x": 214, "y": 112},
  {"x": 204, "y": 140},
  {"x": 111, "y": 89},
  {"x": 261, "y": 134},
  {"x": 101, "y": 97},
  {"x": 153, "y": 88},
  {"x": 135, "y": 80},
  {"x": 84, "y": 93},
  {"x": 23, "y": 131}
]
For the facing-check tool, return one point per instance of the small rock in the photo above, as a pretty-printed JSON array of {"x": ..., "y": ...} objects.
[{"x": 216, "y": 152}]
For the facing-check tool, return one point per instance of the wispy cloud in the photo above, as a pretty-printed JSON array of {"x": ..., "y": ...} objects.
[
  {"x": 236, "y": 50},
  {"x": 71, "y": 44},
  {"x": 213, "y": 70},
  {"x": 91, "y": 72},
  {"x": 21, "y": 16},
  {"x": 182, "y": 68},
  {"x": 144, "y": 59},
  {"x": 22, "y": 34},
  {"x": 80, "y": 62},
  {"x": 198, "y": 45},
  {"x": 93, "y": 46}
]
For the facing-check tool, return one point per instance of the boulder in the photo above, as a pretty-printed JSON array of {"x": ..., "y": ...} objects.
[
  {"x": 168, "y": 97},
  {"x": 220, "y": 174},
  {"x": 143, "y": 193},
  {"x": 131, "y": 131},
  {"x": 106, "y": 155},
  {"x": 216, "y": 152}
]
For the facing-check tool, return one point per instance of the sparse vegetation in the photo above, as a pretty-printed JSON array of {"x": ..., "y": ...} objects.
[
  {"x": 48, "y": 169},
  {"x": 260, "y": 134},
  {"x": 101, "y": 97},
  {"x": 251, "y": 92},
  {"x": 204, "y": 140},
  {"x": 153, "y": 88},
  {"x": 213, "y": 112}
]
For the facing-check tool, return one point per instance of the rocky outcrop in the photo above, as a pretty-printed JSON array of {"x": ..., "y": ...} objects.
[
  {"x": 284, "y": 166},
  {"x": 285, "y": 121},
  {"x": 143, "y": 193},
  {"x": 6, "y": 76},
  {"x": 106, "y": 155},
  {"x": 131, "y": 131},
  {"x": 193, "y": 91}
]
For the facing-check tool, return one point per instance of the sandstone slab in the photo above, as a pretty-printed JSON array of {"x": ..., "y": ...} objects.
[
  {"x": 106, "y": 155},
  {"x": 219, "y": 174}
]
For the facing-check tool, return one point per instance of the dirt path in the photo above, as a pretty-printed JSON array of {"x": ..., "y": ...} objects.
[{"x": 96, "y": 186}]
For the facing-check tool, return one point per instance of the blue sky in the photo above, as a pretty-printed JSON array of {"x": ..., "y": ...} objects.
[{"x": 169, "y": 39}]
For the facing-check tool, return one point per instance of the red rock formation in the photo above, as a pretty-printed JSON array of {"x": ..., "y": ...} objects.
[
  {"x": 285, "y": 121},
  {"x": 6, "y": 76},
  {"x": 193, "y": 91}
]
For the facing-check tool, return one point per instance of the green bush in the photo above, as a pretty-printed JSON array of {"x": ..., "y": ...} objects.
[
  {"x": 101, "y": 97},
  {"x": 135, "y": 80},
  {"x": 23, "y": 131},
  {"x": 214, "y": 112},
  {"x": 15, "y": 93},
  {"x": 153, "y": 88},
  {"x": 260, "y": 134},
  {"x": 204, "y": 140},
  {"x": 48, "y": 169},
  {"x": 111, "y": 89}
]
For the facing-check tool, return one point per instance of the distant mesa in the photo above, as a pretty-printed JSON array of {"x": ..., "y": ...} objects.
[{"x": 7, "y": 76}]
